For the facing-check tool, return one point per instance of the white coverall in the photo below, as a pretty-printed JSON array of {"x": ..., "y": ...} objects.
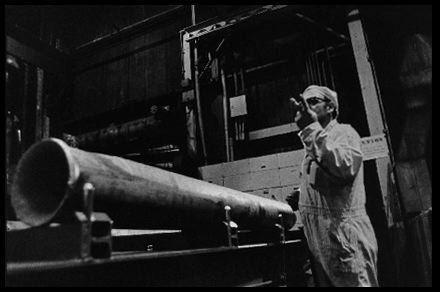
[{"x": 332, "y": 206}]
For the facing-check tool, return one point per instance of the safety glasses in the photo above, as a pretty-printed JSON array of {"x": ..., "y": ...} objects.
[{"x": 315, "y": 100}]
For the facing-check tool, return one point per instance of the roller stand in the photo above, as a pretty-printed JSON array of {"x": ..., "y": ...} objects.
[
  {"x": 97, "y": 240},
  {"x": 85, "y": 235},
  {"x": 231, "y": 228},
  {"x": 280, "y": 239}
]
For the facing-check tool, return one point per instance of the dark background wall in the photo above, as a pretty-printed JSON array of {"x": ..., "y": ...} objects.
[{"x": 140, "y": 67}]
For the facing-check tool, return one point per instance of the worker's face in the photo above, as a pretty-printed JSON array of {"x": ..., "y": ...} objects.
[{"x": 321, "y": 106}]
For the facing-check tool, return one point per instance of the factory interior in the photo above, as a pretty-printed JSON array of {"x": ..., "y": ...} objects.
[{"x": 157, "y": 145}]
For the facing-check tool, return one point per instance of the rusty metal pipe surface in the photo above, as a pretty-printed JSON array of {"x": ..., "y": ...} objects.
[{"x": 50, "y": 177}]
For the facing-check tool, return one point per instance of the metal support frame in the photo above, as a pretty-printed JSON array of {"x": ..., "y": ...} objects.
[
  {"x": 199, "y": 103},
  {"x": 208, "y": 267},
  {"x": 88, "y": 194},
  {"x": 195, "y": 33},
  {"x": 280, "y": 233},
  {"x": 189, "y": 96},
  {"x": 191, "y": 35},
  {"x": 97, "y": 229},
  {"x": 212, "y": 59},
  {"x": 225, "y": 102},
  {"x": 231, "y": 228},
  {"x": 189, "y": 39}
]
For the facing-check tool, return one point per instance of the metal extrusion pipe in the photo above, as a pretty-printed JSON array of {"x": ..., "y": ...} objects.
[{"x": 50, "y": 177}]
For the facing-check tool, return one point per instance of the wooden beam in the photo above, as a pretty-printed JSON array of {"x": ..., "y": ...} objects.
[{"x": 371, "y": 97}]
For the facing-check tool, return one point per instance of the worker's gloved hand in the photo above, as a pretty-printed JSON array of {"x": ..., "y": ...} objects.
[
  {"x": 304, "y": 115},
  {"x": 293, "y": 199}
]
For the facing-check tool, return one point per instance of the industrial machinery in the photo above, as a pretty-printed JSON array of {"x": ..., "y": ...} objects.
[
  {"x": 168, "y": 99},
  {"x": 178, "y": 231},
  {"x": 180, "y": 144}
]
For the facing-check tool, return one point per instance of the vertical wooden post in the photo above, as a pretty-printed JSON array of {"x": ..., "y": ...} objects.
[{"x": 371, "y": 97}]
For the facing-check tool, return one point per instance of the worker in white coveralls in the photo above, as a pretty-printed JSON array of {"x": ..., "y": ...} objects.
[{"x": 331, "y": 199}]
